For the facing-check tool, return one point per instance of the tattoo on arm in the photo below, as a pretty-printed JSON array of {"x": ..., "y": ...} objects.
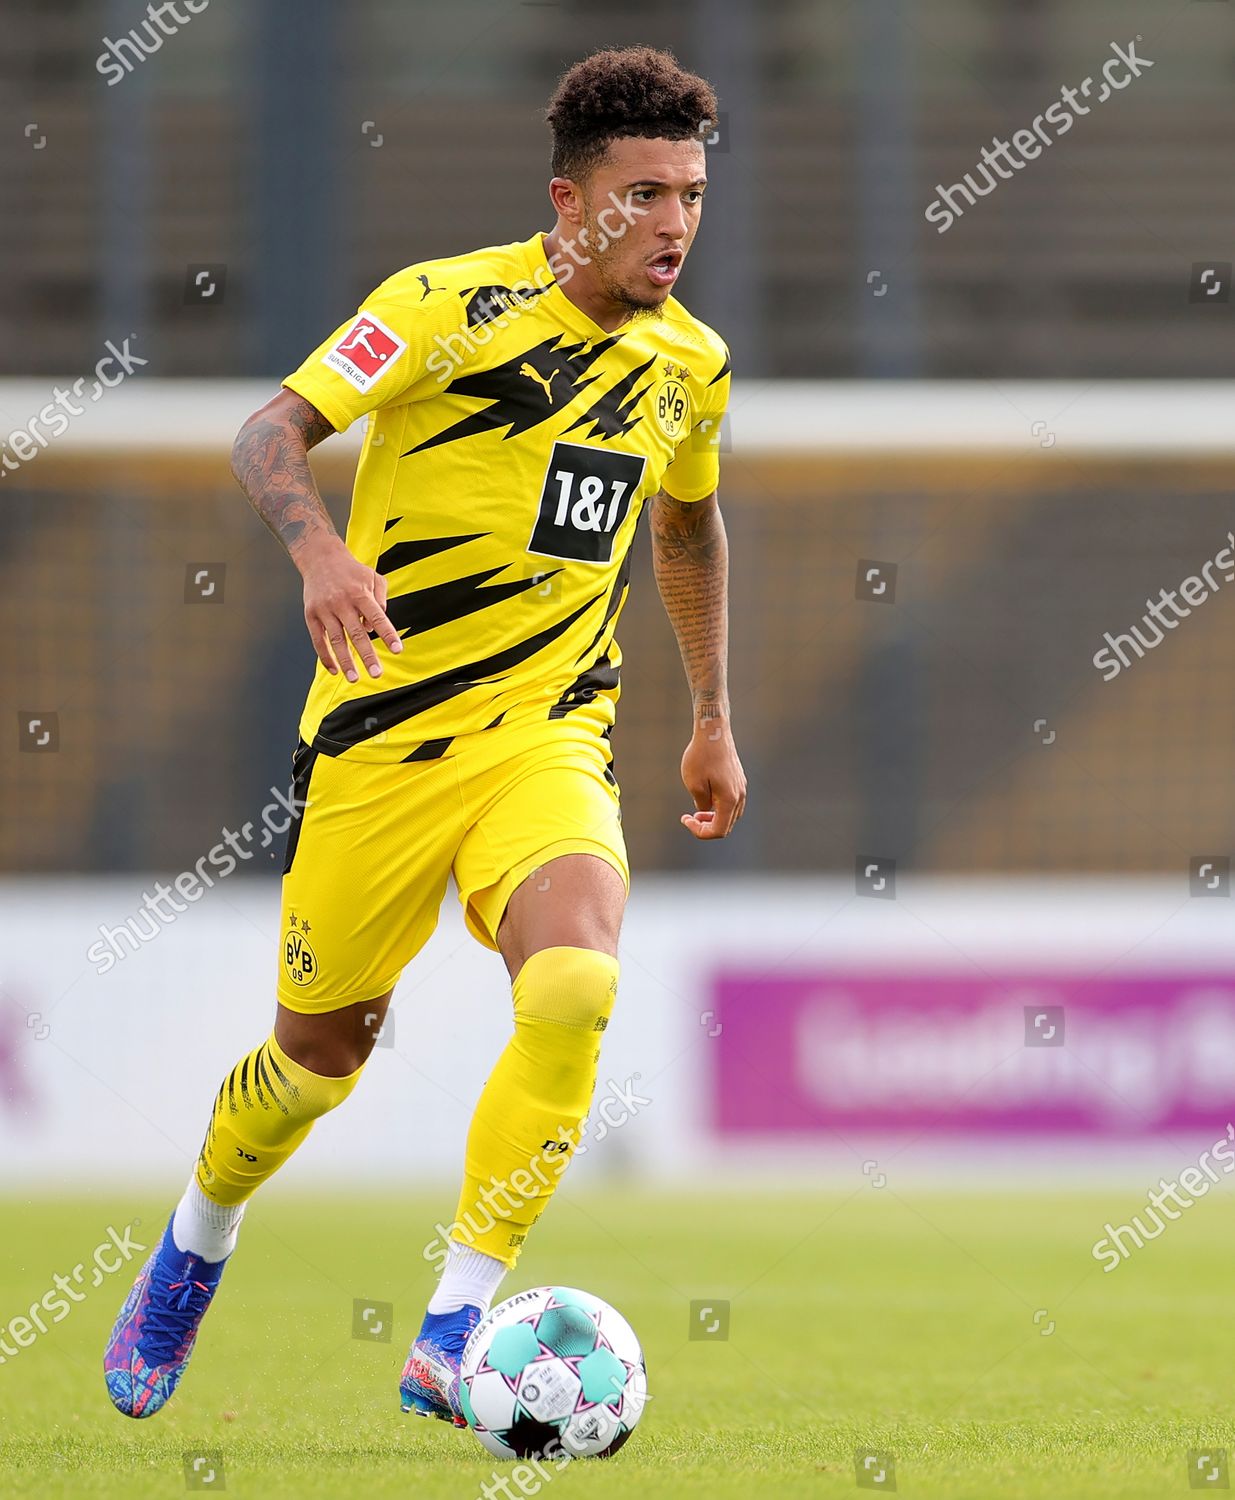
[
  {"x": 270, "y": 462},
  {"x": 690, "y": 556}
]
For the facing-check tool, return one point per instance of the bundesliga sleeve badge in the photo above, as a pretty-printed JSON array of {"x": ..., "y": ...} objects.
[{"x": 365, "y": 352}]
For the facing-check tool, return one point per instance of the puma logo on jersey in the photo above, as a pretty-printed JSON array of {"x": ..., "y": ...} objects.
[
  {"x": 424, "y": 281},
  {"x": 542, "y": 380}
]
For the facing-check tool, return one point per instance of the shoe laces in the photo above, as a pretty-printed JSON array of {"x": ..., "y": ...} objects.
[{"x": 171, "y": 1316}]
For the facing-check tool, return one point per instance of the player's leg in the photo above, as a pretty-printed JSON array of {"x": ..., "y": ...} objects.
[
  {"x": 263, "y": 1111},
  {"x": 559, "y": 940},
  {"x": 554, "y": 914},
  {"x": 359, "y": 899},
  {"x": 543, "y": 877}
]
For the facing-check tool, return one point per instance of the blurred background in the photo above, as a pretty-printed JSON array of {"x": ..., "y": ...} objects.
[{"x": 981, "y": 891}]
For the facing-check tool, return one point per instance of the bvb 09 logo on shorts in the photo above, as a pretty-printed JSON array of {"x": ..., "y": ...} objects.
[{"x": 299, "y": 959}]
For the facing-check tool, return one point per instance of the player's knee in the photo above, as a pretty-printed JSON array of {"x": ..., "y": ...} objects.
[
  {"x": 337, "y": 1065},
  {"x": 320, "y": 1072},
  {"x": 575, "y": 987},
  {"x": 333, "y": 1044}
]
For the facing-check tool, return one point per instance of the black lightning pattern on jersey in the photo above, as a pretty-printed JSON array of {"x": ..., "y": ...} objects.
[
  {"x": 423, "y": 609},
  {"x": 610, "y": 416},
  {"x": 601, "y": 674},
  {"x": 360, "y": 719},
  {"x": 431, "y": 749},
  {"x": 418, "y": 610},
  {"x": 484, "y": 303},
  {"x": 403, "y": 554},
  {"x": 517, "y": 401}
]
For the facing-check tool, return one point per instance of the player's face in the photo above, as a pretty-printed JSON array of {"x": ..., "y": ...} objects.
[{"x": 641, "y": 209}]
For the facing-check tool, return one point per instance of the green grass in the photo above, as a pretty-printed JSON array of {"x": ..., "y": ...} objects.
[{"x": 896, "y": 1322}]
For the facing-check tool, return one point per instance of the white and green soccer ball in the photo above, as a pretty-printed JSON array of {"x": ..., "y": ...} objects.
[{"x": 553, "y": 1373}]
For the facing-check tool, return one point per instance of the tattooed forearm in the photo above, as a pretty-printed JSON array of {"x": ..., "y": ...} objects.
[
  {"x": 690, "y": 555},
  {"x": 270, "y": 462}
]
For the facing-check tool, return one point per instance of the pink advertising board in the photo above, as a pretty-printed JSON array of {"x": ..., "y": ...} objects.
[{"x": 987, "y": 1053}]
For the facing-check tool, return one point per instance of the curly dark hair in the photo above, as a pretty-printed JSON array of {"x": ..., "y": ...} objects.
[{"x": 628, "y": 91}]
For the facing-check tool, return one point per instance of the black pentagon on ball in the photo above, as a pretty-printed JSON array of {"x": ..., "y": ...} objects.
[{"x": 530, "y": 1438}]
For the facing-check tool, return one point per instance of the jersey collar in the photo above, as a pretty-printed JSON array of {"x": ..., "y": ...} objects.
[{"x": 570, "y": 313}]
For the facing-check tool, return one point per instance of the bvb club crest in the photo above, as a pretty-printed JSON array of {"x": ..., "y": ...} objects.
[
  {"x": 672, "y": 401},
  {"x": 299, "y": 959}
]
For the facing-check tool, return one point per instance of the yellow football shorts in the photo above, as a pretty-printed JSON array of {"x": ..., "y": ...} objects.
[{"x": 369, "y": 856}]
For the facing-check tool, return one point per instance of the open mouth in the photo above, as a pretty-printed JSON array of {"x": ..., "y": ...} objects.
[{"x": 663, "y": 269}]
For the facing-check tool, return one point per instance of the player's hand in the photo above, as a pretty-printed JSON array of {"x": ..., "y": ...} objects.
[
  {"x": 713, "y": 775},
  {"x": 343, "y": 602}
]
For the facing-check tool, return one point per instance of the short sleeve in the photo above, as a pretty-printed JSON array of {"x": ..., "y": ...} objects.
[
  {"x": 694, "y": 472},
  {"x": 386, "y": 354}
]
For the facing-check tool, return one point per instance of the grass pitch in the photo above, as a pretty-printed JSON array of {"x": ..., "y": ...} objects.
[{"x": 973, "y": 1339}]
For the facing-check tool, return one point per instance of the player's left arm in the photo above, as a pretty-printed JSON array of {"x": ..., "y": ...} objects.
[{"x": 690, "y": 556}]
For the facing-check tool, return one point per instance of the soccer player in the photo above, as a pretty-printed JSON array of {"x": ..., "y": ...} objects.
[{"x": 527, "y": 405}]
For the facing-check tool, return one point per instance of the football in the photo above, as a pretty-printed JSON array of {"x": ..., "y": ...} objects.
[{"x": 553, "y": 1373}]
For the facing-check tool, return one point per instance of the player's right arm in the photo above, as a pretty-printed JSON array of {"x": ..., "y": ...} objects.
[{"x": 343, "y": 600}]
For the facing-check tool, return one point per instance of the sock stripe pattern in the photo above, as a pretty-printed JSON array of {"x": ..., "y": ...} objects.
[
  {"x": 280, "y": 1075},
  {"x": 264, "y": 1109},
  {"x": 526, "y": 1124},
  {"x": 264, "y": 1077}
]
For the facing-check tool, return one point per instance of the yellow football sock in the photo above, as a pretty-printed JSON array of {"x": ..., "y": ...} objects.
[
  {"x": 265, "y": 1108},
  {"x": 526, "y": 1124}
]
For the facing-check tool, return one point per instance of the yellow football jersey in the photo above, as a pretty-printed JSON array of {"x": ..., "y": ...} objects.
[{"x": 511, "y": 447}]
